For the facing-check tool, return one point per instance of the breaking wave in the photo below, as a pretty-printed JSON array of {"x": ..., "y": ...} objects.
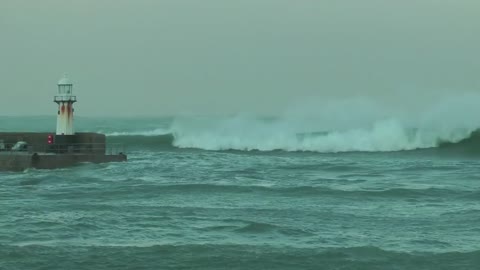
[
  {"x": 352, "y": 127},
  {"x": 382, "y": 138}
]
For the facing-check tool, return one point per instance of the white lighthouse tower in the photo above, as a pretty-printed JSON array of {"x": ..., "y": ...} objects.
[{"x": 65, "y": 100}]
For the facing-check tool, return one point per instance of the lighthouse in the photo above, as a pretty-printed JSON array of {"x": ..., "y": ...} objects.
[
  {"x": 65, "y": 100},
  {"x": 45, "y": 150}
]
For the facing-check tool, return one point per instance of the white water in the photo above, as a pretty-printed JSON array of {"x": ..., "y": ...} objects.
[
  {"x": 155, "y": 132},
  {"x": 339, "y": 126},
  {"x": 388, "y": 135}
]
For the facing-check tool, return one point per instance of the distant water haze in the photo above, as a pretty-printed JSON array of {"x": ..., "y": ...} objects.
[{"x": 267, "y": 57}]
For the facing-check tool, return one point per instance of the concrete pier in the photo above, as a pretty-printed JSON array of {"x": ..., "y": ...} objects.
[
  {"x": 23, "y": 161},
  {"x": 64, "y": 151},
  {"x": 65, "y": 147}
]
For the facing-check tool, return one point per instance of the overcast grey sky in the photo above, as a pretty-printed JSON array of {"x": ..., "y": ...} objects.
[{"x": 163, "y": 57}]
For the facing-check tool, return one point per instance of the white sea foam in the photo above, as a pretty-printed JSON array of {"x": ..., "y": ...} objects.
[
  {"x": 155, "y": 132},
  {"x": 333, "y": 127},
  {"x": 389, "y": 135}
]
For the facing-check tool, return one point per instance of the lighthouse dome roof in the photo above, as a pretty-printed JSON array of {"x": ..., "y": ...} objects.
[{"x": 64, "y": 81}]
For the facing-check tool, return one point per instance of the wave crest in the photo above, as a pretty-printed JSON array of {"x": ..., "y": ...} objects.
[
  {"x": 345, "y": 127},
  {"x": 382, "y": 137}
]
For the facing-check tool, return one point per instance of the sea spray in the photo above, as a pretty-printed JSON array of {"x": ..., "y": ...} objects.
[
  {"x": 388, "y": 135},
  {"x": 329, "y": 126}
]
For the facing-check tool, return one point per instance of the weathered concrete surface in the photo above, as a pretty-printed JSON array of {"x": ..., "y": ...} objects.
[
  {"x": 38, "y": 141},
  {"x": 13, "y": 161},
  {"x": 66, "y": 151},
  {"x": 85, "y": 142}
]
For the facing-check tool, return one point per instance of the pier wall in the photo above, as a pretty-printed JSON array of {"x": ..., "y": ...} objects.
[
  {"x": 37, "y": 141},
  {"x": 64, "y": 152},
  {"x": 22, "y": 161}
]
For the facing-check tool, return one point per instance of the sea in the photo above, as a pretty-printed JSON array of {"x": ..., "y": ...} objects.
[{"x": 250, "y": 192}]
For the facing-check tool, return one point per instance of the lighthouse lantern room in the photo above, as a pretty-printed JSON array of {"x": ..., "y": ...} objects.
[{"x": 65, "y": 100}]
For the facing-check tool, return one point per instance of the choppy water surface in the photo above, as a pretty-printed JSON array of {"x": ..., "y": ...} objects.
[{"x": 175, "y": 206}]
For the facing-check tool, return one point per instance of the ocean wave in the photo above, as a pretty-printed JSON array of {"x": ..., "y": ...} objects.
[
  {"x": 467, "y": 141},
  {"x": 299, "y": 191},
  {"x": 342, "y": 127},
  {"x": 147, "y": 133},
  {"x": 227, "y": 256}
]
